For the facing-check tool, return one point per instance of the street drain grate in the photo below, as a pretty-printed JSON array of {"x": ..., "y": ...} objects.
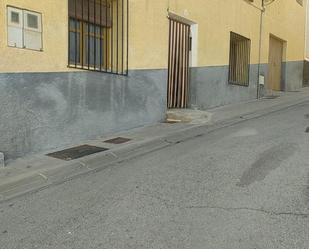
[
  {"x": 76, "y": 152},
  {"x": 307, "y": 130},
  {"x": 118, "y": 140}
]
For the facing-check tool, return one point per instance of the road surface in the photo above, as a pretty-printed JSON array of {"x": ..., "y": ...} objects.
[{"x": 245, "y": 186}]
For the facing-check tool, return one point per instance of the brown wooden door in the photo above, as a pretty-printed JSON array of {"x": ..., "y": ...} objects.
[
  {"x": 178, "y": 64},
  {"x": 275, "y": 64}
]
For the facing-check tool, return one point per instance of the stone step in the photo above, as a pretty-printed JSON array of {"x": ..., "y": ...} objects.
[{"x": 187, "y": 116}]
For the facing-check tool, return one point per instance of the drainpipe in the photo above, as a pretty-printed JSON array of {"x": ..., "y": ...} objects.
[
  {"x": 260, "y": 49},
  {"x": 306, "y": 30}
]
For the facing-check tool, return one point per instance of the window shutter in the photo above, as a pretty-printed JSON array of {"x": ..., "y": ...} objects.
[
  {"x": 32, "y": 30},
  {"x": 15, "y": 27}
]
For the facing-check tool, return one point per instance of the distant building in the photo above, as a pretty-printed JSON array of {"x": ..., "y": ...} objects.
[{"x": 75, "y": 69}]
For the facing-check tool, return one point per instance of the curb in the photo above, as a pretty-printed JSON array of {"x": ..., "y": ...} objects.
[{"x": 67, "y": 171}]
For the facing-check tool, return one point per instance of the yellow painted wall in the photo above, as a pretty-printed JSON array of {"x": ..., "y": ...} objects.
[
  {"x": 55, "y": 39},
  {"x": 148, "y": 44},
  {"x": 215, "y": 20},
  {"x": 148, "y": 34},
  {"x": 286, "y": 20},
  {"x": 306, "y": 4}
]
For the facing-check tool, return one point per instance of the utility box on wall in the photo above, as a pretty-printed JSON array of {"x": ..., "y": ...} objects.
[
  {"x": 261, "y": 80},
  {"x": 261, "y": 85}
]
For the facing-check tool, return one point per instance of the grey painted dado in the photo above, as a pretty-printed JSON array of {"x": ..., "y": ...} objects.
[
  {"x": 42, "y": 111},
  {"x": 293, "y": 75},
  {"x": 209, "y": 86}
]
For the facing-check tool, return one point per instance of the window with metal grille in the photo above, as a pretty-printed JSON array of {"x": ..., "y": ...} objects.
[
  {"x": 239, "y": 67},
  {"x": 98, "y": 35},
  {"x": 301, "y": 2}
]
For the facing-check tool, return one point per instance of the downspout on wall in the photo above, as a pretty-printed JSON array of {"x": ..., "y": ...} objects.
[
  {"x": 306, "y": 57},
  {"x": 306, "y": 31},
  {"x": 260, "y": 49}
]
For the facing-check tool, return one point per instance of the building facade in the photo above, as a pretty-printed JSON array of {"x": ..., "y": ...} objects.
[
  {"x": 76, "y": 69},
  {"x": 306, "y": 61}
]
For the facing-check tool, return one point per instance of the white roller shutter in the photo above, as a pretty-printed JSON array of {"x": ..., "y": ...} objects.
[
  {"x": 32, "y": 30},
  {"x": 15, "y": 27}
]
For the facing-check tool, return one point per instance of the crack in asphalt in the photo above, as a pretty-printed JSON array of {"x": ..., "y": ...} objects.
[
  {"x": 269, "y": 212},
  {"x": 169, "y": 204}
]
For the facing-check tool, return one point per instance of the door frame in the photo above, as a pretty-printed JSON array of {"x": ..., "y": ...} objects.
[
  {"x": 282, "y": 70},
  {"x": 192, "y": 54}
]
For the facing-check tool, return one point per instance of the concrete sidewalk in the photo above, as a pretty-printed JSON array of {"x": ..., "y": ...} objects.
[{"x": 36, "y": 172}]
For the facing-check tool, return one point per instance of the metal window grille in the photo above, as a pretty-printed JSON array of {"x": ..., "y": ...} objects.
[
  {"x": 301, "y": 2},
  {"x": 239, "y": 67},
  {"x": 98, "y": 35}
]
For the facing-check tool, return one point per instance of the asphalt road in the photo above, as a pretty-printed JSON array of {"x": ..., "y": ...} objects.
[{"x": 241, "y": 187}]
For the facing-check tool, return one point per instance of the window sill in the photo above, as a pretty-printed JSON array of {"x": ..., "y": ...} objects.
[
  {"x": 238, "y": 84},
  {"x": 30, "y": 49}
]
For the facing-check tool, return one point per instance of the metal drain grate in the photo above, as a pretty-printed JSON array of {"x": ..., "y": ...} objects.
[
  {"x": 118, "y": 140},
  {"x": 76, "y": 152}
]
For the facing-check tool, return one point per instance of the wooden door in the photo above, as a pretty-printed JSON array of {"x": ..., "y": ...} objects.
[
  {"x": 178, "y": 64},
  {"x": 275, "y": 64}
]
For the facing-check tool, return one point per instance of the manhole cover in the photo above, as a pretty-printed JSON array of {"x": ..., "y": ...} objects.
[
  {"x": 118, "y": 140},
  {"x": 76, "y": 152}
]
